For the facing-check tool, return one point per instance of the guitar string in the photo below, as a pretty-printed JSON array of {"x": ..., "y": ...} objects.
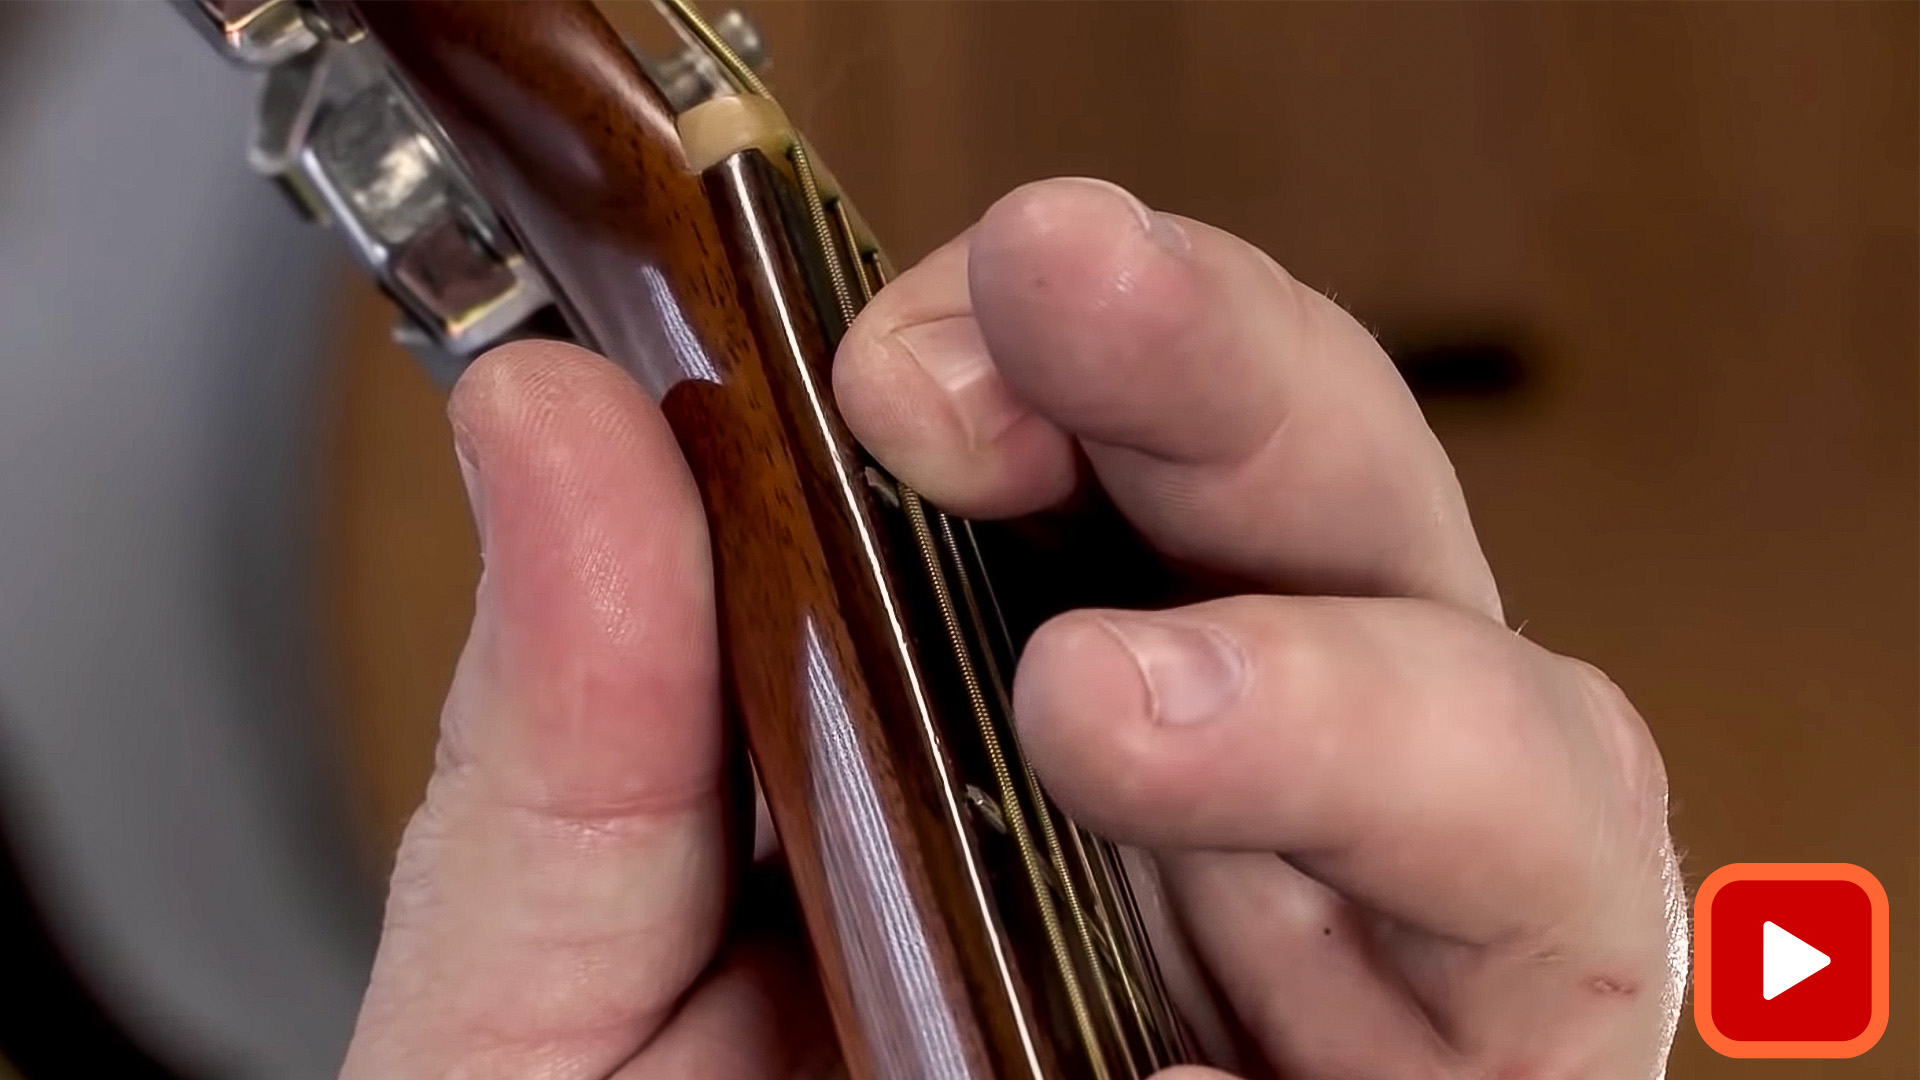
[
  {"x": 1122, "y": 964},
  {"x": 1158, "y": 1032},
  {"x": 1169, "y": 1028},
  {"x": 1012, "y": 812},
  {"x": 1010, "y": 804},
  {"x": 1041, "y": 809},
  {"x": 833, "y": 251}
]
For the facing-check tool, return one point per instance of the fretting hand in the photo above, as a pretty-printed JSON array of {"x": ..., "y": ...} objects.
[{"x": 1402, "y": 840}]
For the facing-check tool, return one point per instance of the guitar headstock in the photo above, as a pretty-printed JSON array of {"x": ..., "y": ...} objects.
[{"x": 342, "y": 133}]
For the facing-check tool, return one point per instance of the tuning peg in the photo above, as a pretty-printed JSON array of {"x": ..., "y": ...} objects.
[
  {"x": 256, "y": 33},
  {"x": 693, "y": 75}
]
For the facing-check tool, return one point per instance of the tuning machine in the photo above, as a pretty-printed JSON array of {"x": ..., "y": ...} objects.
[
  {"x": 347, "y": 142},
  {"x": 693, "y": 75},
  {"x": 343, "y": 137}
]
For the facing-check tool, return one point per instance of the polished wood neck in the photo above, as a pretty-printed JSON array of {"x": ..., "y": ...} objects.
[
  {"x": 964, "y": 928},
  {"x": 564, "y": 135}
]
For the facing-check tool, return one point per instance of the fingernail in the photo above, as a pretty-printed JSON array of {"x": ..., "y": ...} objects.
[
  {"x": 954, "y": 355},
  {"x": 1162, "y": 230},
  {"x": 1192, "y": 673},
  {"x": 476, "y": 492}
]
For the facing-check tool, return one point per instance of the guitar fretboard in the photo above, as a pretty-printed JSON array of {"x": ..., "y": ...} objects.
[{"x": 1092, "y": 967}]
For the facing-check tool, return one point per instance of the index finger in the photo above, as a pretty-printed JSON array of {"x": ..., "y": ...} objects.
[{"x": 1239, "y": 419}]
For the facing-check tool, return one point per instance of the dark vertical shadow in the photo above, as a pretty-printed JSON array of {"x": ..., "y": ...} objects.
[{"x": 52, "y": 1025}]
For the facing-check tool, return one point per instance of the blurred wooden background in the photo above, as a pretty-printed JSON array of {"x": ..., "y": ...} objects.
[{"x": 1701, "y": 220}]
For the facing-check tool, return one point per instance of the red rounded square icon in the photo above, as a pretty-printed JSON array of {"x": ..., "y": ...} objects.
[{"x": 1790, "y": 960}]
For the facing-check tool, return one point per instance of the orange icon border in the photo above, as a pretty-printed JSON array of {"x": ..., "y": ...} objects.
[{"x": 1703, "y": 959}]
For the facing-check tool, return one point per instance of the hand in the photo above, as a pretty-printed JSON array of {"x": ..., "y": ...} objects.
[{"x": 1402, "y": 840}]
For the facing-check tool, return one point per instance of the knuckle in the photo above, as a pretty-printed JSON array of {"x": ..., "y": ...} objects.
[{"x": 1636, "y": 767}]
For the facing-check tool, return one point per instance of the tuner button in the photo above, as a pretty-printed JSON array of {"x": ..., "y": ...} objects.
[
  {"x": 257, "y": 33},
  {"x": 743, "y": 38},
  {"x": 694, "y": 75}
]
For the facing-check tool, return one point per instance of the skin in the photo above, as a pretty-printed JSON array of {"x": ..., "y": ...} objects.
[{"x": 1399, "y": 839}]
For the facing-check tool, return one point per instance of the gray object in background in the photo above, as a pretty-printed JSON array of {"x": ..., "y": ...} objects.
[{"x": 162, "y": 322}]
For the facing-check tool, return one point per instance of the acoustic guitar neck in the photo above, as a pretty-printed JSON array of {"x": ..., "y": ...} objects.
[{"x": 517, "y": 169}]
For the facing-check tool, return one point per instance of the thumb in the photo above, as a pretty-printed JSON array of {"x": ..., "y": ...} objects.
[{"x": 555, "y": 895}]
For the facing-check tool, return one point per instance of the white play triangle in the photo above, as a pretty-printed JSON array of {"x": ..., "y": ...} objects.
[{"x": 1785, "y": 960}]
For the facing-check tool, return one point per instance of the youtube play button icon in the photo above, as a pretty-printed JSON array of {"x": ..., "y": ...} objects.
[
  {"x": 1790, "y": 960},
  {"x": 1785, "y": 961}
]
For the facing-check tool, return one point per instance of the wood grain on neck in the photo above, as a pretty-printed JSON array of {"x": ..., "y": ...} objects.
[{"x": 564, "y": 135}]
